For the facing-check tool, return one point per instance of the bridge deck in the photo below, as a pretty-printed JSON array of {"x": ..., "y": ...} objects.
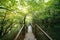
[
  {"x": 30, "y": 32},
  {"x": 29, "y": 35}
]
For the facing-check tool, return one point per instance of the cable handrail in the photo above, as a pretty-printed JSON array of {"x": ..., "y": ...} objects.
[
  {"x": 43, "y": 32},
  {"x": 19, "y": 33},
  {"x": 22, "y": 30}
]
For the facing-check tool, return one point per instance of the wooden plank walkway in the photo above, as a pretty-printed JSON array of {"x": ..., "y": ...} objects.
[{"x": 29, "y": 35}]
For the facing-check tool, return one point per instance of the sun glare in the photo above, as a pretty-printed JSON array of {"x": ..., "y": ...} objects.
[
  {"x": 46, "y": 1},
  {"x": 28, "y": 18},
  {"x": 23, "y": 9}
]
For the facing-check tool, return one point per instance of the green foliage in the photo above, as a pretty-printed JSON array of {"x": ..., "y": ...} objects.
[{"x": 15, "y": 13}]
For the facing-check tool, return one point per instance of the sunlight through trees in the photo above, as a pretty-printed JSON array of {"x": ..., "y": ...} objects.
[{"x": 15, "y": 13}]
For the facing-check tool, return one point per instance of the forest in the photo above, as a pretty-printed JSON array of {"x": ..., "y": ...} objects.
[{"x": 15, "y": 13}]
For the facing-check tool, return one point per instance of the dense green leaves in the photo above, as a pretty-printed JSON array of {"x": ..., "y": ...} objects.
[{"x": 14, "y": 13}]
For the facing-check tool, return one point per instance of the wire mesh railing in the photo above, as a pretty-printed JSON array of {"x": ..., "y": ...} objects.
[{"x": 40, "y": 34}]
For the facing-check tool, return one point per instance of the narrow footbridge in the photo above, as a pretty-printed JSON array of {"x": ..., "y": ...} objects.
[{"x": 32, "y": 32}]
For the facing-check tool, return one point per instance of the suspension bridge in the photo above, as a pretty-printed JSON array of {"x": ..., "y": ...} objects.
[{"x": 32, "y": 32}]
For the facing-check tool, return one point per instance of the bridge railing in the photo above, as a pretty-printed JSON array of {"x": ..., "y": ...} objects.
[
  {"x": 40, "y": 34},
  {"x": 21, "y": 33}
]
